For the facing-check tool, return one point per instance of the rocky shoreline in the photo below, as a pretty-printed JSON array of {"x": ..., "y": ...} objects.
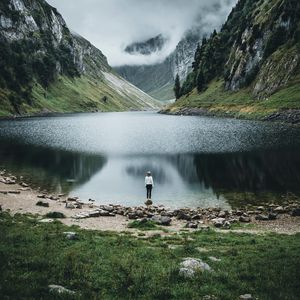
[
  {"x": 291, "y": 116},
  {"x": 77, "y": 211}
]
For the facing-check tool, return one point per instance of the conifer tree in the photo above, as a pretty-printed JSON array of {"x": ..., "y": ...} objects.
[
  {"x": 177, "y": 88},
  {"x": 200, "y": 81}
]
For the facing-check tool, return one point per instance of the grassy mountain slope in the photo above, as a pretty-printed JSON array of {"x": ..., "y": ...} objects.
[
  {"x": 251, "y": 67},
  {"x": 46, "y": 68}
]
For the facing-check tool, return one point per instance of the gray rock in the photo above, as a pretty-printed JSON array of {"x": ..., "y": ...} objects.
[
  {"x": 190, "y": 266},
  {"x": 107, "y": 208},
  {"x": 262, "y": 217},
  {"x": 244, "y": 219},
  {"x": 46, "y": 221},
  {"x": 183, "y": 216},
  {"x": 70, "y": 235},
  {"x": 58, "y": 289},
  {"x": 246, "y": 297},
  {"x": 148, "y": 202},
  {"x": 212, "y": 258},
  {"x": 132, "y": 216},
  {"x": 279, "y": 210},
  {"x": 94, "y": 214},
  {"x": 42, "y": 203},
  {"x": 272, "y": 216},
  {"x": 222, "y": 214},
  {"x": 162, "y": 220},
  {"x": 70, "y": 205},
  {"x": 295, "y": 212},
  {"x": 218, "y": 222},
  {"x": 191, "y": 225}
]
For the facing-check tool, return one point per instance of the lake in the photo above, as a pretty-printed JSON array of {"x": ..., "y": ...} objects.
[{"x": 195, "y": 161}]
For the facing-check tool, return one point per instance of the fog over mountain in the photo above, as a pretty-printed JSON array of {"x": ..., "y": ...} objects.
[{"x": 113, "y": 25}]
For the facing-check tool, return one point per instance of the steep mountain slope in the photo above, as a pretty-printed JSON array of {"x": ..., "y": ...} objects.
[
  {"x": 157, "y": 80},
  {"x": 251, "y": 67},
  {"x": 44, "y": 67}
]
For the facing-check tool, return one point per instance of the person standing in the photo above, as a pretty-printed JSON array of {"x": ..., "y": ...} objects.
[{"x": 149, "y": 184}]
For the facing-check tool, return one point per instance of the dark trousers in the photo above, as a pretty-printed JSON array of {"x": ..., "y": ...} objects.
[{"x": 149, "y": 190}]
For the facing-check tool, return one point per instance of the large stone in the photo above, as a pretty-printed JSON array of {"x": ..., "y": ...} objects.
[
  {"x": 296, "y": 212},
  {"x": 246, "y": 297},
  {"x": 58, "y": 289},
  {"x": 244, "y": 219},
  {"x": 191, "y": 225},
  {"x": 162, "y": 220},
  {"x": 190, "y": 266},
  {"x": 70, "y": 235},
  {"x": 218, "y": 222},
  {"x": 148, "y": 202},
  {"x": 279, "y": 210},
  {"x": 262, "y": 217},
  {"x": 183, "y": 216},
  {"x": 107, "y": 208}
]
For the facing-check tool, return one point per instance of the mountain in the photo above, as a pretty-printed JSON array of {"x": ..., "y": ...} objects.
[
  {"x": 158, "y": 79},
  {"x": 251, "y": 67},
  {"x": 47, "y": 68}
]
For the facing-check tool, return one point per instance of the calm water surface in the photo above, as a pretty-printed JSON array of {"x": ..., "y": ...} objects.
[{"x": 195, "y": 161}]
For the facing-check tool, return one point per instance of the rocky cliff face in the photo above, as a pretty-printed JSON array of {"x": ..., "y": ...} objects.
[
  {"x": 252, "y": 66},
  {"x": 39, "y": 53},
  {"x": 266, "y": 50}
]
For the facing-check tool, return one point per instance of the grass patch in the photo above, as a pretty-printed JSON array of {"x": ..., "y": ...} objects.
[
  {"x": 103, "y": 265},
  {"x": 143, "y": 225},
  {"x": 55, "y": 215},
  {"x": 240, "y": 103}
]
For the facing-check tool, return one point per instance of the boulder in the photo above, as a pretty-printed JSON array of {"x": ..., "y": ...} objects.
[
  {"x": 58, "y": 289},
  {"x": 212, "y": 258},
  {"x": 183, "y": 216},
  {"x": 132, "y": 216},
  {"x": 70, "y": 205},
  {"x": 162, "y": 220},
  {"x": 107, "y": 208},
  {"x": 190, "y": 266},
  {"x": 272, "y": 216},
  {"x": 222, "y": 214},
  {"x": 244, "y": 219},
  {"x": 218, "y": 222},
  {"x": 191, "y": 225},
  {"x": 74, "y": 199},
  {"x": 246, "y": 297},
  {"x": 94, "y": 214},
  {"x": 262, "y": 217},
  {"x": 279, "y": 210},
  {"x": 296, "y": 212},
  {"x": 148, "y": 202},
  {"x": 42, "y": 203},
  {"x": 70, "y": 235}
]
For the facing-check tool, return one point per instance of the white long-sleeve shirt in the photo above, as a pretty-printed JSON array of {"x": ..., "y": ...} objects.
[{"x": 149, "y": 180}]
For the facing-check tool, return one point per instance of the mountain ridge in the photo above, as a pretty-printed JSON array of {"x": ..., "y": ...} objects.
[
  {"x": 251, "y": 67},
  {"x": 46, "y": 67}
]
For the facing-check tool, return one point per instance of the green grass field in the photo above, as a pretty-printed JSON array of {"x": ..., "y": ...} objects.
[
  {"x": 240, "y": 103},
  {"x": 107, "y": 265}
]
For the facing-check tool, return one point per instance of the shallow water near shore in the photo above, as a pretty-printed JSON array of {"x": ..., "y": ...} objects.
[{"x": 195, "y": 161}]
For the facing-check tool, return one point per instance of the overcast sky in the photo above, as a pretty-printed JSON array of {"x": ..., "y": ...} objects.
[{"x": 111, "y": 25}]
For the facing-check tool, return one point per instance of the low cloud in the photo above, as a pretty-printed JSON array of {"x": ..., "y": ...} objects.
[{"x": 111, "y": 25}]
